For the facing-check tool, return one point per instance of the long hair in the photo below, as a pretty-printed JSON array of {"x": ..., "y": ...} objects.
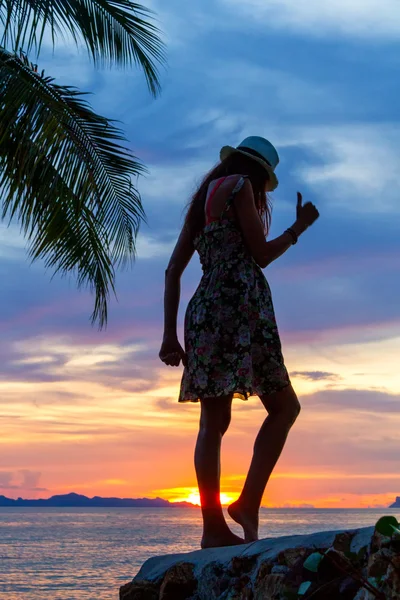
[{"x": 235, "y": 164}]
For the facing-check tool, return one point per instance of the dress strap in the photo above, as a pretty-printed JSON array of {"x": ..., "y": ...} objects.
[
  {"x": 229, "y": 201},
  {"x": 208, "y": 203},
  {"x": 233, "y": 193}
]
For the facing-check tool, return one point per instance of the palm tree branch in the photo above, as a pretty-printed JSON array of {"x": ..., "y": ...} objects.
[
  {"x": 48, "y": 130},
  {"x": 117, "y": 31},
  {"x": 64, "y": 233}
]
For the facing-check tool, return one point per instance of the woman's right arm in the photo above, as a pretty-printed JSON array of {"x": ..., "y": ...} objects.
[{"x": 262, "y": 251}]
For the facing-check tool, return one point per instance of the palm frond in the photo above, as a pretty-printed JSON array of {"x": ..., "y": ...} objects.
[
  {"x": 117, "y": 31},
  {"x": 65, "y": 179}
]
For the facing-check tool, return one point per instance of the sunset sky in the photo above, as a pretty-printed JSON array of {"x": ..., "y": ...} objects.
[{"x": 96, "y": 412}]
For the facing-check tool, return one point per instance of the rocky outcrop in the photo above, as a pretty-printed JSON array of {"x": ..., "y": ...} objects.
[{"x": 349, "y": 565}]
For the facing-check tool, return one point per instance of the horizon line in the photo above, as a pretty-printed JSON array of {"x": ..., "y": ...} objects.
[{"x": 185, "y": 502}]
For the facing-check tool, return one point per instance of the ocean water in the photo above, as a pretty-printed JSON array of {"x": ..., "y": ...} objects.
[{"x": 82, "y": 554}]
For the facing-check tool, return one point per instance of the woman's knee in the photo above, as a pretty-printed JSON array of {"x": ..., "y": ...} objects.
[
  {"x": 284, "y": 403},
  {"x": 217, "y": 423},
  {"x": 224, "y": 422},
  {"x": 215, "y": 418},
  {"x": 294, "y": 409}
]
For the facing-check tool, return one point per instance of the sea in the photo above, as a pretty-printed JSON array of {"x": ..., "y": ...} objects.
[{"x": 88, "y": 553}]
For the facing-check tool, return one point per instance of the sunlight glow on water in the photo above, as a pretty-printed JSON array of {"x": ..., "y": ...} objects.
[{"x": 71, "y": 554}]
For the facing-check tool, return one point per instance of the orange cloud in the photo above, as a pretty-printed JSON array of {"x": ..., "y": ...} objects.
[{"x": 107, "y": 424}]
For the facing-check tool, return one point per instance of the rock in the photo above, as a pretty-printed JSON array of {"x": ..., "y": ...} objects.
[
  {"x": 141, "y": 590},
  {"x": 265, "y": 569},
  {"x": 378, "y": 563},
  {"x": 343, "y": 540},
  {"x": 243, "y": 594},
  {"x": 280, "y": 569},
  {"x": 379, "y": 541},
  {"x": 213, "y": 581},
  {"x": 273, "y": 569},
  {"x": 364, "y": 594},
  {"x": 241, "y": 588},
  {"x": 333, "y": 565},
  {"x": 327, "y": 591},
  {"x": 348, "y": 588},
  {"x": 270, "y": 587},
  {"x": 179, "y": 583},
  {"x": 242, "y": 564},
  {"x": 290, "y": 556},
  {"x": 393, "y": 578}
]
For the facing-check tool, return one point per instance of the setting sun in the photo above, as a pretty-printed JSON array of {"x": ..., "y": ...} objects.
[
  {"x": 226, "y": 498},
  {"x": 194, "y": 498},
  {"x": 192, "y": 495}
]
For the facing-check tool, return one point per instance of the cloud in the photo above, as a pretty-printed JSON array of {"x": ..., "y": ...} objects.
[
  {"x": 360, "y": 401},
  {"x": 338, "y": 433},
  {"x": 44, "y": 350},
  {"x": 286, "y": 92},
  {"x": 352, "y": 164},
  {"x": 357, "y": 18},
  {"x": 23, "y": 479},
  {"x": 30, "y": 479},
  {"x": 295, "y": 506},
  {"x": 165, "y": 403},
  {"x": 5, "y": 479},
  {"x": 150, "y": 247},
  {"x": 12, "y": 243},
  {"x": 128, "y": 362},
  {"x": 315, "y": 375},
  {"x": 173, "y": 184}
]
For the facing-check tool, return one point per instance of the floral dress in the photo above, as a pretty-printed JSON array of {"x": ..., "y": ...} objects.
[{"x": 231, "y": 336}]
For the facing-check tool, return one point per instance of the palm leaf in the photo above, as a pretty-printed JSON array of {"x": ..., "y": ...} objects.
[
  {"x": 64, "y": 178},
  {"x": 113, "y": 31}
]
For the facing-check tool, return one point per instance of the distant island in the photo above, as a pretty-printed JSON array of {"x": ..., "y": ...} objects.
[{"x": 78, "y": 500}]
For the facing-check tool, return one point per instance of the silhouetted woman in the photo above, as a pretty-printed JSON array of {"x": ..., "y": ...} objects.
[{"x": 232, "y": 344}]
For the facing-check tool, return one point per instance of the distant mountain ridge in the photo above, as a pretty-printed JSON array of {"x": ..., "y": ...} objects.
[{"x": 77, "y": 500}]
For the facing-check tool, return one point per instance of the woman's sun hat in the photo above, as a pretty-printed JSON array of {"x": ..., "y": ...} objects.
[{"x": 259, "y": 149}]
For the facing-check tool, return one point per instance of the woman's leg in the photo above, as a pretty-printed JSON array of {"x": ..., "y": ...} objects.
[
  {"x": 283, "y": 408},
  {"x": 214, "y": 421}
]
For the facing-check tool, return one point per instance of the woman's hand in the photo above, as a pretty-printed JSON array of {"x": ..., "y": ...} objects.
[
  {"x": 171, "y": 352},
  {"x": 306, "y": 214}
]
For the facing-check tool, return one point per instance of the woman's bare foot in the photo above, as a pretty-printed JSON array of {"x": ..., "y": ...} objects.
[
  {"x": 218, "y": 540},
  {"x": 246, "y": 519}
]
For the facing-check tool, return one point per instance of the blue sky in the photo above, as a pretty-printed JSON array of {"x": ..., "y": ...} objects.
[{"x": 321, "y": 81}]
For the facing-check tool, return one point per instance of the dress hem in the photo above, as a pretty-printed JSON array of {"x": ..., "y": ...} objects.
[{"x": 245, "y": 395}]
